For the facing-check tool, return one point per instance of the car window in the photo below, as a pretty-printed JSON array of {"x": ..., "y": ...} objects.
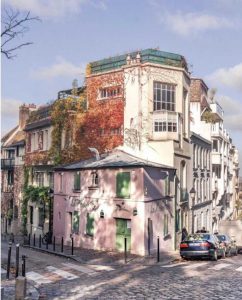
[
  {"x": 198, "y": 237},
  {"x": 221, "y": 237}
]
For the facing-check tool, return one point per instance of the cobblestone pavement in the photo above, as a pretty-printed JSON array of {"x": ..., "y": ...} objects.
[{"x": 60, "y": 278}]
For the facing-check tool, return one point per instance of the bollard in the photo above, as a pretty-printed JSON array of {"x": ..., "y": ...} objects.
[
  {"x": 34, "y": 239},
  {"x": 29, "y": 239},
  {"x": 54, "y": 244},
  {"x": 72, "y": 246},
  {"x": 125, "y": 250},
  {"x": 62, "y": 244},
  {"x": 23, "y": 265},
  {"x": 158, "y": 249},
  {"x": 47, "y": 244},
  {"x": 20, "y": 288},
  {"x": 40, "y": 241},
  {"x": 9, "y": 259},
  {"x": 17, "y": 260}
]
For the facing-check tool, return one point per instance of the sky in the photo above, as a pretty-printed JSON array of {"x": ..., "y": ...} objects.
[{"x": 72, "y": 33}]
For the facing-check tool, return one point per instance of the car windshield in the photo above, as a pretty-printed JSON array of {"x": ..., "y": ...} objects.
[
  {"x": 198, "y": 237},
  {"x": 222, "y": 237}
]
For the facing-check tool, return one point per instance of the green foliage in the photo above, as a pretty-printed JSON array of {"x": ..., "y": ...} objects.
[
  {"x": 34, "y": 194},
  {"x": 209, "y": 117}
]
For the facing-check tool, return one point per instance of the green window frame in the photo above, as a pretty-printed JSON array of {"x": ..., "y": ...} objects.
[
  {"x": 165, "y": 228},
  {"x": 90, "y": 225},
  {"x": 75, "y": 222},
  {"x": 77, "y": 181},
  {"x": 123, "y": 185}
]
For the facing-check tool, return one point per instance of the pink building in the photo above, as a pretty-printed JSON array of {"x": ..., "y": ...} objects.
[{"x": 99, "y": 202}]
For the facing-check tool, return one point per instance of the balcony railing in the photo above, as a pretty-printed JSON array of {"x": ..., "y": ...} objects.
[
  {"x": 7, "y": 163},
  {"x": 184, "y": 195}
]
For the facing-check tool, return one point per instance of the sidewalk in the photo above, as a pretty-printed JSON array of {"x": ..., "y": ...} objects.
[{"x": 90, "y": 256}]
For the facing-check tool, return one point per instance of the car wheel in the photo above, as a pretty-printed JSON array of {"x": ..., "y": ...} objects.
[{"x": 215, "y": 255}]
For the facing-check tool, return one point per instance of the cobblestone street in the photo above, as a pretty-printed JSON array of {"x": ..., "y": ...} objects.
[{"x": 60, "y": 278}]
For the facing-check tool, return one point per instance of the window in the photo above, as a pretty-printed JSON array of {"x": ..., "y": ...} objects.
[
  {"x": 77, "y": 181},
  {"x": 51, "y": 180},
  {"x": 123, "y": 185},
  {"x": 166, "y": 122},
  {"x": 75, "y": 222},
  {"x": 41, "y": 216},
  {"x": 164, "y": 96},
  {"x": 10, "y": 177},
  {"x": 90, "y": 225},
  {"x": 39, "y": 179},
  {"x": 109, "y": 92},
  {"x": 31, "y": 214},
  {"x": 95, "y": 179},
  {"x": 165, "y": 232},
  {"x": 115, "y": 131},
  {"x": 215, "y": 146}
]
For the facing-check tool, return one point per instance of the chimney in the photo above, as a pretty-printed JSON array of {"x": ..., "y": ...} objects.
[{"x": 24, "y": 111}]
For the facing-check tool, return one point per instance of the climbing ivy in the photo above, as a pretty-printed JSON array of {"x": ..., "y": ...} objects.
[
  {"x": 33, "y": 194},
  {"x": 65, "y": 114}
]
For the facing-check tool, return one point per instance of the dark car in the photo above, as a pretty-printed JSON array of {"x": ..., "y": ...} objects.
[
  {"x": 229, "y": 244},
  {"x": 202, "y": 245}
]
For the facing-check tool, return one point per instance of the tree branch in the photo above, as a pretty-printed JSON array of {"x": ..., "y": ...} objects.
[{"x": 13, "y": 26}]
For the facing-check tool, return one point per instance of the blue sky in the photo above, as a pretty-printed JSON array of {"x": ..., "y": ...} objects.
[{"x": 74, "y": 32}]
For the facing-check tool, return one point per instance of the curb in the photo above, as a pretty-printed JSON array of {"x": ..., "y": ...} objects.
[{"x": 119, "y": 263}]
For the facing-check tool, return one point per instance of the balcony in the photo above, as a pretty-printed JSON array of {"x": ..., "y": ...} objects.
[
  {"x": 216, "y": 158},
  {"x": 184, "y": 196},
  {"x": 7, "y": 163},
  {"x": 166, "y": 125},
  {"x": 217, "y": 110}
]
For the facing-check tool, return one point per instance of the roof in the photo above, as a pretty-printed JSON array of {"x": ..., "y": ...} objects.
[
  {"x": 148, "y": 55},
  {"x": 199, "y": 137},
  {"x": 7, "y": 135},
  {"x": 18, "y": 139},
  {"x": 38, "y": 124},
  {"x": 116, "y": 159}
]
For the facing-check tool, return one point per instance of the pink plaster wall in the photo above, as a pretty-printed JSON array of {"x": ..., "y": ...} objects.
[{"x": 104, "y": 198}]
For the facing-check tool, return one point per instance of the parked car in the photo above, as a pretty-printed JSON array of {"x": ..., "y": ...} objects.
[
  {"x": 230, "y": 244},
  {"x": 202, "y": 245}
]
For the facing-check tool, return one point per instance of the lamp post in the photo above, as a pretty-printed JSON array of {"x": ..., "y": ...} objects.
[
  {"x": 192, "y": 195},
  {"x": 51, "y": 196}
]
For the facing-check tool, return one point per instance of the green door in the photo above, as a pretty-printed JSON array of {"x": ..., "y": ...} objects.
[{"x": 123, "y": 229}]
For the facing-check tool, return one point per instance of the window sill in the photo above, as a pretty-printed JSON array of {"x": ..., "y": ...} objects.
[
  {"x": 88, "y": 236},
  {"x": 109, "y": 98},
  {"x": 93, "y": 187},
  {"x": 76, "y": 190}
]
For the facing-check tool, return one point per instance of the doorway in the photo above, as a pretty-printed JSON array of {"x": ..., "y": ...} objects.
[{"x": 123, "y": 229}]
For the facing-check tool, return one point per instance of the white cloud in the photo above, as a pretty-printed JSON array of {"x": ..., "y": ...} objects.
[
  {"x": 191, "y": 23},
  {"x": 54, "y": 8},
  {"x": 231, "y": 77},
  {"x": 61, "y": 68},
  {"x": 188, "y": 23},
  {"x": 10, "y": 107},
  {"x": 9, "y": 114},
  {"x": 232, "y": 113}
]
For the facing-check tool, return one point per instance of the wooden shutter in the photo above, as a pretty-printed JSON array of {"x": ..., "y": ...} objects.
[
  {"x": 75, "y": 222},
  {"x": 123, "y": 185},
  {"x": 90, "y": 225},
  {"x": 77, "y": 181}
]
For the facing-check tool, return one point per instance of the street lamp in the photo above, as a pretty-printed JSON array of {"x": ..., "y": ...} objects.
[{"x": 192, "y": 195}]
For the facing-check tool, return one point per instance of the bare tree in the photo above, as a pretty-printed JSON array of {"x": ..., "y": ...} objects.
[{"x": 14, "y": 26}]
